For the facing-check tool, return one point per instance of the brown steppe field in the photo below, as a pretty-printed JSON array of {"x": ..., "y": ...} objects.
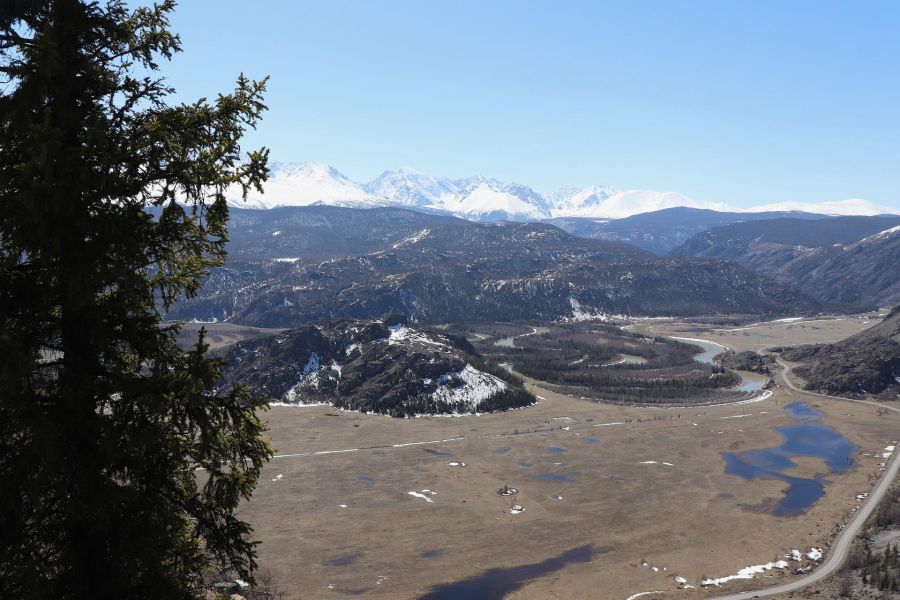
[{"x": 336, "y": 518}]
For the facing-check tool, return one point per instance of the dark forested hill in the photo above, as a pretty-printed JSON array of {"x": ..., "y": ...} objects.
[
  {"x": 846, "y": 262},
  {"x": 375, "y": 366},
  {"x": 313, "y": 233},
  {"x": 322, "y": 263},
  {"x": 865, "y": 363}
]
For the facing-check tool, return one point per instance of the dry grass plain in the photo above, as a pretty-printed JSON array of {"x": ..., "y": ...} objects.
[{"x": 336, "y": 520}]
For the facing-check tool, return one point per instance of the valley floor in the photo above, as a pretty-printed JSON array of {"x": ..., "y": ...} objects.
[{"x": 618, "y": 500}]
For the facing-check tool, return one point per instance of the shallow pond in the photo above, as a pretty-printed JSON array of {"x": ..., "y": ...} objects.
[
  {"x": 803, "y": 438},
  {"x": 552, "y": 477}
]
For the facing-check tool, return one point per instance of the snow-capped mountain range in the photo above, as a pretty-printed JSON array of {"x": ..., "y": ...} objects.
[{"x": 482, "y": 199}]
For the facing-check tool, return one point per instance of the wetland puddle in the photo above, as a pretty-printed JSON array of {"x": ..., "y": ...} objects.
[
  {"x": 552, "y": 477},
  {"x": 495, "y": 584},
  {"x": 803, "y": 438}
]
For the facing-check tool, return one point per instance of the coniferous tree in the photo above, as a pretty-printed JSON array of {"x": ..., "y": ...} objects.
[{"x": 121, "y": 462}]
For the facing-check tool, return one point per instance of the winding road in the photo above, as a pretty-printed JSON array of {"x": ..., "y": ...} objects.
[{"x": 837, "y": 554}]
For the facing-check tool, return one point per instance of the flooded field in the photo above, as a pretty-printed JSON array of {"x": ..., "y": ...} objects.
[
  {"x": 800, "y": 439},
  {"x": 622, "y": 499}
]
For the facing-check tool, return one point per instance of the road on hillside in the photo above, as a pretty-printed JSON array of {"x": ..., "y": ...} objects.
[{"x": 837, "y": 554}]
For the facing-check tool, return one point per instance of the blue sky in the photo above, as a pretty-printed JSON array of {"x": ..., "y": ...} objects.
[{"x": 739, "y": 102}]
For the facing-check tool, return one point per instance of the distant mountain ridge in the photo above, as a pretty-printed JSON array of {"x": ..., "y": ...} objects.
[
  {"x": 481, "y": 198},
  {"x": 853, "y": 262},
  {"x": 662, "y": 230},
  {"x": 296, "y": 265}
]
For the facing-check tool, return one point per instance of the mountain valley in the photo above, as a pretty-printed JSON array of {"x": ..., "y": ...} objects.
[{"x": 848, "y": 262}]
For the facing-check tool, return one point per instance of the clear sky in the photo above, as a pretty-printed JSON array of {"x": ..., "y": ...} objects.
[{"x": 739, "y": 102}]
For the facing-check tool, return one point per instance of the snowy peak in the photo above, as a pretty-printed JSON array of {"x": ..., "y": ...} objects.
[
  {"x": 601, "y": 202},
  {"x": 410, "y": 187},
  {"x": 851, "y": 207},
  {"x": 305, "y": 184},
  {"x": 489, "y": 200},
  {"x": 574, "y": 200},
  {"x": 483, "y": 199}
]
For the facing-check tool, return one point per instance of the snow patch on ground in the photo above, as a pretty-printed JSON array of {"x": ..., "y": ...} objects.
[
  {"x": 309, "y": 378},
  {"x": 639, "y": 594},
  {"x": 401, "y": 334},
  {"x": 476, "y": 387},
  {"x": 414, "y": 238},
  {"x": 765, "y": 395},
  {"x": 424, "y": 495},
  {"x": 746, "y": 573},
  {"x": 882, "y": 234},
  {"x": 579, "y": 314}
]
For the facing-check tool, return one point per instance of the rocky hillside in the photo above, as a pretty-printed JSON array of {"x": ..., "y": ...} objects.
[
  {"x": 435, "y": 269},
  {"x": 849, "y": 263},
  {"x": 865, "y": 363},
  {"x": 663, "y": 230},
  {"x": 383, "y": 367}
]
